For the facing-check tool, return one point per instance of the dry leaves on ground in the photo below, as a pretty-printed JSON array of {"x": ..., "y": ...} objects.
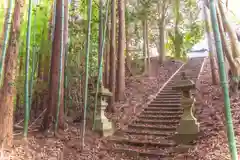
[
  {"x": 139, "y": 90},
  {"x": 212, "y": 143}
]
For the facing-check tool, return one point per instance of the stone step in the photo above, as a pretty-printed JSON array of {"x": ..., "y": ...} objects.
[
  {"x": 167, "y": 100},
  {"x": 153, "y": 127},
  {"x": 165, "y": 122},
  {"x": 142, "y": 141},
  {"x": 137, "y": 152},
  {"x": 172, "y": 83},
  {"x": 148, "y": 132},
  {"x": 164, "y": 101},
  {"x": 172, "y": 113},
  {"x": 159, "y": 117},
  {"x": 168, "y": 96},
  {"x": 169, "y": 93},
  {"x": 156, "y": 104},
  {"x": 162, "y": 109},
  {"x": 167, "y": 88}
]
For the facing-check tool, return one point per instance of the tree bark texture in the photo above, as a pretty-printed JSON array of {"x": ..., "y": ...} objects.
[
  {"x": 112, "y": 76},
  {"x": 210, "y": 46},
  {"x": 8, "y": 91},
  {"x": 121, "y": 51},
  {"x": 50, "y": 115}
]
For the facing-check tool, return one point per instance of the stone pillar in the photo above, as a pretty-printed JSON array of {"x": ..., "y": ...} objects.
[
  {"x": 188, "y": 128},
  {"x": 102, "y": 124}
]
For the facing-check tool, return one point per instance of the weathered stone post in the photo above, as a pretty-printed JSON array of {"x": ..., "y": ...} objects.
[
  {"x": 188, "y": 128},
  {"x": 102, "y": 124}
]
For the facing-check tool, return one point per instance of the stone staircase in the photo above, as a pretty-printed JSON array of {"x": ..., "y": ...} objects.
[{"x": 151, "y": 133}]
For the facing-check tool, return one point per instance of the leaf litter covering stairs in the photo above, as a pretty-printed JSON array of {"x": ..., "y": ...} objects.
[{"x": 149, "y": 136}]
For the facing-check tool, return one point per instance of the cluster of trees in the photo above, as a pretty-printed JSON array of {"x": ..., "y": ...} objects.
[
  {"x": 43, "y": 56},
  {"x": 230, "y": 45}
]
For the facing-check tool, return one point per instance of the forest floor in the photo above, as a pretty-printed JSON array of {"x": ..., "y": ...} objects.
[
  {"x": 139, "y": 91},
  {"x": 212, "y": 143}
]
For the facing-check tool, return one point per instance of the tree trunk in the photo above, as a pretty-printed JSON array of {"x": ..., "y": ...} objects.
[
  {"x": 100, "y": 30},
  {"x": 235, "y": 48},
  {"x": 106, "y": 66},
  {"x": 128, "y": 59},
  {"x": 162, "y": 8},
  {"x": 228, "y": 54},
  {"x": 121, "y": 51},
  {"x": 210, "y": 45},
  {"x": 162, "y": 53},
  {"x": 145, "y": 47},
  {"x": 232, "y": 35},
  {"x": 106, "y": 58},
  {"x": 8, "y": 91},
  {"x": 112, "y": 76},
  {"x": 50, "y": 115},
  {"x": 65, "y": 51}
]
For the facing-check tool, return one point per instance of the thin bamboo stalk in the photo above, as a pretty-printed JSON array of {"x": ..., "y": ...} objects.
[
  {"x": 223, "y": 78},
  {"x": 28, "y": 43},
  {"x": 86, "y": 69},
  {"x": 34, "y": 64}
]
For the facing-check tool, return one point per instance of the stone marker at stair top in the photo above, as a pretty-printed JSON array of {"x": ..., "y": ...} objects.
[
  {"x": 102, "y": 124},
  {"x": 188, "y": 128}
]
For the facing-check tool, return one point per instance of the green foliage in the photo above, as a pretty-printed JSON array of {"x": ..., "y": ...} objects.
[
  {"x": 39, "y": 43},
  {"x": 76, "y": 53},
  {"x": 77, "y": 35},
  {"x": 194, "y": 35},
  {"x": 187, "y": 29},
  {"x": 179, "y": 44},
  {"x": 1, "y": 15}
]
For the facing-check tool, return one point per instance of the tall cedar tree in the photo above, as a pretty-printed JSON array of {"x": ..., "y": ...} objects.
[
  {"x": 121, "y": 51},
  {"x": 8, "y": 90},
  {"x": 50, "y": 115},
  {"x": 112, "y": 76}
]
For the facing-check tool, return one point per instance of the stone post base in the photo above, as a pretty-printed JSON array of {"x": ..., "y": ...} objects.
[
  {"x": 104, "y": 127},
  {"x": 187, "y": 131}
]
